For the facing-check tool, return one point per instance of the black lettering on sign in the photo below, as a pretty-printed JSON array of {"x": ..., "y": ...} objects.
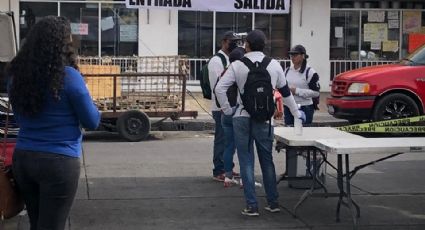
[
  {"x": 247, "y": 4},
  {"x": 187, "y": 3},
  {"x": 271, "y": 4},
  {"x": 177, "y": 3},
  {"x": 165, "y": 3},
  {"x": 238, "y": 4},
  {"x": 260, "y": 4},
  {"x": 280, "y": 5}
]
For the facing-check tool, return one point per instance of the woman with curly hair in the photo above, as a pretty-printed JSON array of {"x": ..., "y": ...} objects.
[{"x": 50, "y": 101}]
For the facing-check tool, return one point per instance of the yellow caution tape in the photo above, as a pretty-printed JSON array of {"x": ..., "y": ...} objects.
[{"x": 387, "y": 126}]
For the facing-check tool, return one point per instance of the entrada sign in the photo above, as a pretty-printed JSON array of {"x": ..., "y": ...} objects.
[{"x": 256, "y": 6}]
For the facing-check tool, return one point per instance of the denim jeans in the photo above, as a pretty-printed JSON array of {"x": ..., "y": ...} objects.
[
  {"x": 48, "y": 183},
  {"x": 308, "y": 110},
  {"x": 264, "y": 144},
  {"x": 229, "y": 142},
  {"x": 218, "y": 149}
]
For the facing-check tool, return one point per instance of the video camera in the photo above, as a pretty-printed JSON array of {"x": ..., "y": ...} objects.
[{"x": 241, "y": 39}]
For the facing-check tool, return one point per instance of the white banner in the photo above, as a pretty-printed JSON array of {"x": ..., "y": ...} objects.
[{"x": 257, "y": 6}]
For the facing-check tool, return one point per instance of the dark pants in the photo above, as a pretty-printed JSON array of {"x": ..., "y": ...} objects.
[
  {"x": 48, "y": 183},
  {"x": 308, "y": 110},
  {"x": 219, "y": 145}
]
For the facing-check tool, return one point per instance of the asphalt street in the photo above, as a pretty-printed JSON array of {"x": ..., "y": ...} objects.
[{"x": 165, "y": 183}]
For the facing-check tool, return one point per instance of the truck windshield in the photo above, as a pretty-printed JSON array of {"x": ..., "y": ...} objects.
[{"x": 417, "y": 57}]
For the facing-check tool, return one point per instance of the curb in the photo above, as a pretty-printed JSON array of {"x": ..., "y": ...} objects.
[{"x": 209, "y": 125}]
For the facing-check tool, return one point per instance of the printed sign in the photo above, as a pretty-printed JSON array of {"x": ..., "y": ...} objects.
[
  {"x": 374, "y": 32},
  {"x": 256, "y": 6},
  {"x": 80, "y": 28}
]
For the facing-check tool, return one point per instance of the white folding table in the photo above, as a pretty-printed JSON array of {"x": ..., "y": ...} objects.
[
  {"x": 342, "y": 144},
  {"x": 286, "y": 138},
  {"x": 343, "y": 148}
]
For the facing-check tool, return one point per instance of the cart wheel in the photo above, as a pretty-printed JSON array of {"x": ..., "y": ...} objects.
[
  {"x": 133, "y": 125},
  {"x": 175, "y": 116}
]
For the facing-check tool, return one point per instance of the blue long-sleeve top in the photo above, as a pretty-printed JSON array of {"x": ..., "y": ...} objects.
[{"x": 56, "y": 129}]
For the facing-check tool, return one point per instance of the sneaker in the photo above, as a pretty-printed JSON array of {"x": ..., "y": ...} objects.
[
  {"x": 257, "y": 184},
  {"x": 219, "y": 177},
  {"x": 229, "y": 182},
  {"x": 273, "y": 208},
  {"x": 235, "y": 174},
  {"x": 250, "y": 211}
]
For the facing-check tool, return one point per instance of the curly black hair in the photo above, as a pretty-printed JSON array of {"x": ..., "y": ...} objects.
[{"x": 37, "y": 71}]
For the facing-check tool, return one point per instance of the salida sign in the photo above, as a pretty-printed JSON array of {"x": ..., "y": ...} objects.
[{"x": 257, "y": 6}]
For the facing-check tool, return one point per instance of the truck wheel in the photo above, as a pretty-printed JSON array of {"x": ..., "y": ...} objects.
[
  {"x": 133, "y": 125},
  {"x": 395, "y": 106}
]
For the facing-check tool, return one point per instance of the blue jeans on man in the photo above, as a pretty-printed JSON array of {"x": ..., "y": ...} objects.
[
  {"x": 218, "y": 149},
  {"x": 308, "y": 110},
  {"x": 262, "y": 136},
  {"x": 230, "y": 147}
]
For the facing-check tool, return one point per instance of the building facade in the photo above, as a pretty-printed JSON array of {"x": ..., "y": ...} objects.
[{"x": 338, "y": 34}]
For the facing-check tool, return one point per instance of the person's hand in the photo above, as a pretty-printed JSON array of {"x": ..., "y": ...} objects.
[
  {"x": 301, "y": 115},
  {"x": 293, "y": 90}
]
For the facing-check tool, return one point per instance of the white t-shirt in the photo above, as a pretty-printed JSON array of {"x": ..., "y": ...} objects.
[
  {"x": 215, "y": 69},
  {"x": 238, "y": 72},
  {"x": 303, "y": 94}
]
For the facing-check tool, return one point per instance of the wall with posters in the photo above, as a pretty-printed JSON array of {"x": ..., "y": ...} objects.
[{"x": 375, "y": 34}]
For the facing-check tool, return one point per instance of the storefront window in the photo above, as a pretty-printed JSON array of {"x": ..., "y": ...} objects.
[
  {"x": 31, "y": 12},
  {"x": 344, "y": 37},
  {"x": 385, "y": 35},
  {"x": 413, "y": 31},
  {"x": 380, "y": 35},
  {"x": 195, "y": 34},
  {"x": 119, "y": 30},
  {"x": 277, "y": 30},
  {"x": 84, "y": 26}
]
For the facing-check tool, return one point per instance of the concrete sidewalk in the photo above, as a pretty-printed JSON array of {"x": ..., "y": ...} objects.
[
  {"x": 204, "y": 121},
  {"x": 165, "y": 183}
]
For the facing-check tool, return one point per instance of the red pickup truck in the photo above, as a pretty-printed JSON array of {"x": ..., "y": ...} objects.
[{"x": 380, "y": 92}]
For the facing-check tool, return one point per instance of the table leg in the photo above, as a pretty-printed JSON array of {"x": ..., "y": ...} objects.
[
  {"x": 309, "y": 192},
  {"x": 340, "y": 183},
  {"x": 354, "y": 213},
  {"x": 312, "y": 171},
  {"x": 316, "y": 169}
]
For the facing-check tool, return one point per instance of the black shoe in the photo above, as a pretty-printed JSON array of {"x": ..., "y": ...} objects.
[
  {"x": 272, "y": 208},
  {"x": 250, "y": 211}
]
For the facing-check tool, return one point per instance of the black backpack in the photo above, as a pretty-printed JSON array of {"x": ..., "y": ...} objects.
[
  {"x": 258, "y": 98},
  {"x": 316, "y": 100},
  {"x": 232, "y": 92},
  {"x": 205, "y": 80}
]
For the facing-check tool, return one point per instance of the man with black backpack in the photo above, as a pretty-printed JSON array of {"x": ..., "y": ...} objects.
[
  {"x": 256, "y": 76},
  {"x": 216, "y": 66}
]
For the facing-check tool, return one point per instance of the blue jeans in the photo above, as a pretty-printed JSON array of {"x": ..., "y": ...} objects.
[
  {"x": 229, "y": 142},
  {"x": 48, "y": 183},
  {"x": 308, "y": 110},
  {"x": 218, "y": 149},
  {"x": 264, "y": 144}
]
